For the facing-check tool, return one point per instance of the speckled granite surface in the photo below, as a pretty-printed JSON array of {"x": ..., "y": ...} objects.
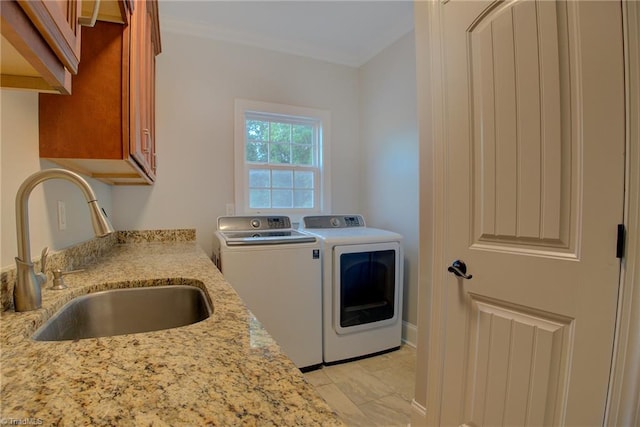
[
  {"x": 65, "y": 259},
  {"x": 87, "y": 252},
  {"x": 225, "y": 370}
]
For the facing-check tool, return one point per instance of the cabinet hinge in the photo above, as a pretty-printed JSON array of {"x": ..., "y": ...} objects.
[{"x": 620, "y": 243}]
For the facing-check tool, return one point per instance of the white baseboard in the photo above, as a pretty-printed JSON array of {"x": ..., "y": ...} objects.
[{"x": 409, "y": 334}]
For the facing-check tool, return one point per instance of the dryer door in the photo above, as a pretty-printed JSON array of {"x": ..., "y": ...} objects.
[{"x": 366, "y": 284}]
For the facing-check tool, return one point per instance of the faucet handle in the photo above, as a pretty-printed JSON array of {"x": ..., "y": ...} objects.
[{"x": 43, "y": 259}]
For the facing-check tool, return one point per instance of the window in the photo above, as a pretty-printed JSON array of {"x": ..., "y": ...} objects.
[{"x": 281, "y": 154}]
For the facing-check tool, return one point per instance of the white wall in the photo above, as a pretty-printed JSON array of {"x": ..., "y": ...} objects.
[
  {"x": 19, "y": 159},
  {"x": 197, "y": 82},
  {"x": 389, "y": 135}
]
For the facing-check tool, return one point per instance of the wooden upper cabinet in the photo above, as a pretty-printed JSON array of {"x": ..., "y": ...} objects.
[
  {"x": 106, "y": 128},
  {"x": 41, "y": 42}
]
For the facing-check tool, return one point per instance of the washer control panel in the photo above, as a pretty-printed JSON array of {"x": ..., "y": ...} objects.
[{"x": 244, "y": 223}]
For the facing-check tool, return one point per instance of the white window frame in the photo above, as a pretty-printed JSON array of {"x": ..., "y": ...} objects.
[{"x": 322, "y": 203}]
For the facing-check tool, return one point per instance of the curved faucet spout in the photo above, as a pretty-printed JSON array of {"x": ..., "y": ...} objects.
[{"x": 27, "y": 293}]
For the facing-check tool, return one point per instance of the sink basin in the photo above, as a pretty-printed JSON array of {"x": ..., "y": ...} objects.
[{"x": 126, "y": 311}]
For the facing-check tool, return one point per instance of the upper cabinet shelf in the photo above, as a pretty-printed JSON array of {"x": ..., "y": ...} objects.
[
  {"x": 108, "y": 10},
  {"x": 41, "y": 40}
]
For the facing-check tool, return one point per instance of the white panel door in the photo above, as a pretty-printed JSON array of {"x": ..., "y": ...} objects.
[{"x": 534, "y": 147}]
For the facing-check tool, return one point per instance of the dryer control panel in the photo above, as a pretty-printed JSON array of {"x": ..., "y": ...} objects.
[{"x": 333, "y": 221}]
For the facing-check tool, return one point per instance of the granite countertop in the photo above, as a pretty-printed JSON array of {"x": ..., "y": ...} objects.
[{"x": 225, "y": 370}]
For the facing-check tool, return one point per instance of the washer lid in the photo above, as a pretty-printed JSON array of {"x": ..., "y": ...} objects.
[
  {"x": 237, "y": 238},
  {"x": 354, "y": 235}
]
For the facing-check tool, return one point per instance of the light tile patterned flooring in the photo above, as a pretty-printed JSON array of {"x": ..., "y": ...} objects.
[{"x": 376, "y": 391}]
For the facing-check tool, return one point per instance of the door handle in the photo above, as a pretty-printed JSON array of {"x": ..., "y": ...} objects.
[{"x": 459, "y": 268}]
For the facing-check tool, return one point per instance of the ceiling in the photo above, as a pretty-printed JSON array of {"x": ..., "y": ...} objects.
[{"x": 345, "y": 32}]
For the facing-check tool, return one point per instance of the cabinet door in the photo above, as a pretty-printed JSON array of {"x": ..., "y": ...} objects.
[
  {"x": 57, "y": 22},
  {"x": 151, "y": 93},
  {"x": 140, "y": 144},
  {"x": 40, "y": 44}
]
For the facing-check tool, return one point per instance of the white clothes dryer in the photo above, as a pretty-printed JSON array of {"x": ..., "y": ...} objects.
[{"x": 362, "y": 281}]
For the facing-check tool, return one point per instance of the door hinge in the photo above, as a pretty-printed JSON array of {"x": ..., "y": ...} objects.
[{"x": 620, "y": 243}]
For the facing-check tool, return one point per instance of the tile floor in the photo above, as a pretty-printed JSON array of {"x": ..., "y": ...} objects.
[{"x": 376, "y": 391}]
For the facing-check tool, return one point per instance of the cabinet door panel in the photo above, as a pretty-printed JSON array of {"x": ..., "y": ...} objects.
[
  {"x": 140, "y": 134},
  {"x": 29, "y": 60},
  {"x": 57, "y": 22}
]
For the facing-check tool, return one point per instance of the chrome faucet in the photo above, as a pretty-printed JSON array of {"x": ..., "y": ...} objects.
[{"x": 27, "y": 293}]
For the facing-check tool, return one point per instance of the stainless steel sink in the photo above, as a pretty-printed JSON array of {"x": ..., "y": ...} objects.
[{"x": 126, "y": 311}]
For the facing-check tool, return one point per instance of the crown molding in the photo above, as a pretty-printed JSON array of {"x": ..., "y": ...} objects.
[{"x": 170, "y": 24}]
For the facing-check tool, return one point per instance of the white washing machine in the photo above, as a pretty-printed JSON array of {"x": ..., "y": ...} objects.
[
  {"x": 362, "y": 281},
  {"x": 277, "y": 273}
]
